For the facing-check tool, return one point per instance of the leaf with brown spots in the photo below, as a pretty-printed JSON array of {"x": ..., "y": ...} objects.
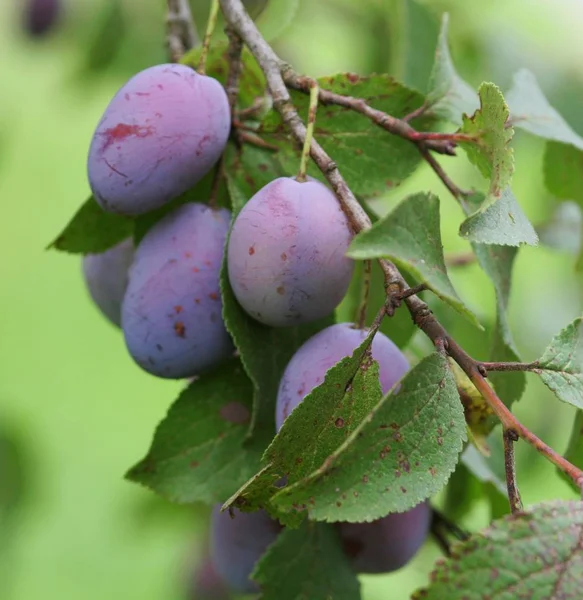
[
  {"x": 198, "y": 453},
  {"x": 371, "y": 160},
  {"x": 537, "y": 555},
  {"x": 318, "y": 426},
  {"x": 402, "y": 453}
]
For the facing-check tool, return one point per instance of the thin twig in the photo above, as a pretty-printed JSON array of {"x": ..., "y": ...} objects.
[
  {"x": 443, "y": 529},
  {"x": 460, "y": 260},
  {"x": 391, "y": 124},
  {"x": 510, "y": 467},
  {"x": 510, "y": 366},
  {"x": 245, "y": 137},
  {"x": 208, "y": 34},
  {"x": 395, "y": 284},
  {"x": 313, "y": 108},
  {"x": 456, "y": 192},
  {"x": 366, "y": 277},
  {"x": 418, "y": 112},
  {"x": 235, "y": 67},
  {"x": 181, "y": 33}
]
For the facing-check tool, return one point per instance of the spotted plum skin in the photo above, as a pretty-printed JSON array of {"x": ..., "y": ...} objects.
[
  {"x": 160, "y": 134},
  {"x": 307, "y": 368},
  {"x": 237, "y": 543},
  {"x": 106, "y": 278},
  {"x": 387, "y": 544},
  {"x": 40, "y": 16},
  {"x": 286, "y": 254},
  {"x": 171, "y": 313}
]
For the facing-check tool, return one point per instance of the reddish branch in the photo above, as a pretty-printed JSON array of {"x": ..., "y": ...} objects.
[
  {"x": 396, "y": 286},
  {"x": 510, "y": 468}
]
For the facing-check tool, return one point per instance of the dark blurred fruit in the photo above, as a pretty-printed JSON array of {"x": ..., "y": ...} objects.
[
  {"x": 309, "y": 364},
  {"x": 286, "y": 254},
  {"x": 106, "y": 277},
  {"x": 238, "y": 543},
  {"x": 161, "y": 133},
  {"x": 207, "y": 584},
  {"x": 387, "y": 544},
  {"x": 172, "y": 310},
  {"x": 40, "y": 16}
]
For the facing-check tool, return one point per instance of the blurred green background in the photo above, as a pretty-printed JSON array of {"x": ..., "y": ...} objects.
[{"x": 75, "y": 412}]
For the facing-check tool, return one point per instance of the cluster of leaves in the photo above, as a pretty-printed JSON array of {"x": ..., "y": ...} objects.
[{"x": 348, "y": 453}]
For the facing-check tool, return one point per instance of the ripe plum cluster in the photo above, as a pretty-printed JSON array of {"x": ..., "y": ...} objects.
[{"x": 286, "y": 263}]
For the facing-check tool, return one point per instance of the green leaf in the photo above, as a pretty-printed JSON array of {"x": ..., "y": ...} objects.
[
  {"x": 306, "y": 564},
  {"x": 491, "y": 153},
  {"x": 265, "y": 352},
  {"x": 563, "y": 169},
  {"x": 560, "y": 367},
  {"x": 537, "y": 554},
  {"x": 574, "y": 451},
  {"x": 402, "y": 453},
  {"x": 449, "y": 95},
  {"x": 276, "y": 17},
  {"x": 484, "y": 469},
  {"x": 248, "y": 169},
  {"x": 372, "y": 161},
  {"x": 252, "y": 81},
  {"x": 93, "y": 230},
  {"x": 499, "y": 219},
  {"x": 317, "y": 426},
  {"x": 497, "y": 262},
  {"x": 420, "y": 34},
  {"x": 503, "y": 223},
  {"x": 410, "y": 235},
  {"x": 197, "y": 453},
  {"x": 531, "y": 111}
]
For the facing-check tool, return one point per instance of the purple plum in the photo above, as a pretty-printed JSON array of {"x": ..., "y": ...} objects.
[
  {"x": 238, "y": 543},
  {"x": 172, "y": 310},
  {"x": 40, "y": 16},
  {"x": 387, "y": 544},
  {"x": 307, "y": 368},
  {"x": 160, "y": 135},
  {"x": 286, "y": 253},
  {"x": 106, "y": 278}
]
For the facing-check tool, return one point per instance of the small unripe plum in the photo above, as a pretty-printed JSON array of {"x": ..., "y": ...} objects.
[
  {"x": 387, "y": 544},
  {"x": 161, "y": 133},
  {"x": 307, "y": 368},
  {"x": 238, "y": 543},
  {"x": 286, "y": 253},
  {"x": 106, "y": 278},
  {"x": 172, "y": 309},
  {"x": 40, "y": 16}
]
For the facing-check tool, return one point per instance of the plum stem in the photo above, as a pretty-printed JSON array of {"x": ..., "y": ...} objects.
[
  {"x": 510, "y": 467},
  {"x": 181, "y": 33},
  {"x": 279, "y": 76},
  {"x": 206, "y": 42},
  {"x": 313, "y": 108},
  {"x": 366, "y": 277}
]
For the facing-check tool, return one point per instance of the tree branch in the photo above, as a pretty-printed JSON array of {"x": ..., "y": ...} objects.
[
  {"x": 395, "y": 284},
  {"x": 510, "y": 467},
  {"x": 181, "y": 33},
  {"x": 510, "y": 366}
]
